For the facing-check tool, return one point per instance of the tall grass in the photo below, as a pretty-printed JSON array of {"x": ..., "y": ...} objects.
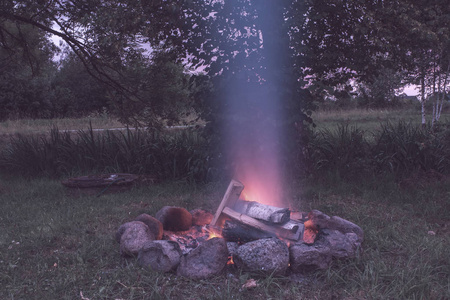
[
  {"x": 405, "y": 149},
  {"x": 166, "y": 155},
  {"x": 343, "y": 150},
  {"x": 401, "y": 149}
]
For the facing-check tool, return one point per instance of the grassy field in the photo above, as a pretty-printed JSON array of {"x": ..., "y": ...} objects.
[
  {"x": 60, "y": 245},
  {"x": 27, "y": 126},
  {"x": 368, "y": 119},
  {"x": 57, "y": 246}
]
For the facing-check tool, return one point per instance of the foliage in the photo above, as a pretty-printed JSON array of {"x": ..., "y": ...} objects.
[
  {"x": 402, "y": 150},
  {"x": 167, "y": 155},
  {"x": 343, "y": 150},
  {"x": 75, "y": 94},
  {"x": 320, "y": 43},
  {"x": 162, "y": 93},
  {"x": 25, "y": 66},
  {"x": 405, "y": 149}
]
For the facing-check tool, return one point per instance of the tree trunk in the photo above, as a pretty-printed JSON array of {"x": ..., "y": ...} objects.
[{"x": 424, "y": 121}]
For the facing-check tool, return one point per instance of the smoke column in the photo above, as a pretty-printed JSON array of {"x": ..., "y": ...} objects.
[{"x": 254, "y": 112}]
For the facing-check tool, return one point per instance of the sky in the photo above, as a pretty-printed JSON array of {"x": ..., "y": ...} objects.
[{"x": 411, "y": 90}]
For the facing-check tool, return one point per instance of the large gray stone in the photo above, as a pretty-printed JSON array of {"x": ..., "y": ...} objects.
[
  {"x": 270, "y": 256},
  {"x": 133, "y": 237},
  {"x": 346, "y": 226},
  {"x": 305, "y": 258},
  {"x": 153, "y": 224},
  {"x": 161, "y": 256},
  {"x": 341, "y": 245},
  {"x": 323, "y": 221},
  {"x": 174, "y": 218},
  {"x": 207, "y": 260}
]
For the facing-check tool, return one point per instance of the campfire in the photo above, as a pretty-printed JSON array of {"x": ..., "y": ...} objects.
[{"x": 251, "y": 235}]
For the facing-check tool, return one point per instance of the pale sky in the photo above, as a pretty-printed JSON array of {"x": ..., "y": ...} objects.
[{"x": 411, "y": 90}]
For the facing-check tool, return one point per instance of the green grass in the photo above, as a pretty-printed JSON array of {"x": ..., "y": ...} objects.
[
  {"x": 369, "y": 119},
  {"x": 27, "y": 126},
  {"x": 54, "y": 246}
]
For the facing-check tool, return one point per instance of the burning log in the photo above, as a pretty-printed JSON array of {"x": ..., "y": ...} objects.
[
  {"x": 273, "y": 216},
  {"x": 263, "y": 212},
  {"x": 234, "y": 231},
  {"x": 291, "y": 230}
]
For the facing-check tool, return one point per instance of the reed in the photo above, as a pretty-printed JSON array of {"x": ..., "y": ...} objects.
[{"x": 167, "y": 155}]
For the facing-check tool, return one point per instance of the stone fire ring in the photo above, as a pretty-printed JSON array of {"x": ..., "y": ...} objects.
[{"x": 337, "y": 238}]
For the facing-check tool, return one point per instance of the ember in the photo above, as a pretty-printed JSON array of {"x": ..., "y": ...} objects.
[{"x": 192, "y": 238}]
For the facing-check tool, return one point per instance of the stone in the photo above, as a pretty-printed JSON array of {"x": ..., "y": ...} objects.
[
  {"x": 306, "y": 258},
  {"x": 134, "y": 235},
  {"x": 155, "y": 226},
  {"x": 341, "y": 245},
  {"x": 321, "y": 221},
  {"x": 270, "y": 256},
  {"x": 232, "y": 248},
  {"x": 346, "y": 226},
  {"x": 317, "y": 219},
  {"x": 174, "y": 218},
  {"x": 207, "y": 260},
  {"x": 201, "y": 217},
  {"x": 161, "y": 256}
]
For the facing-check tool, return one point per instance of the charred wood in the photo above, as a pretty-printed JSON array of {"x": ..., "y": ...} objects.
[{"x": 233, "y": 231}]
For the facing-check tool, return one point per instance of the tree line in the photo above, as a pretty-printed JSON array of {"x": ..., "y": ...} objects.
[{"x": 300, "y": 50}]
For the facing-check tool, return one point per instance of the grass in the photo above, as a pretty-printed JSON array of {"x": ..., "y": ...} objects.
[
  {"x": 173, "y": 154},
  {"x": 56, "y": 246},
  {"x": 29, "y": 126},
  {"x": 368, "y": 119}
]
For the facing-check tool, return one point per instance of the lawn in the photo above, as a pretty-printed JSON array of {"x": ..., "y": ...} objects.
[
  {"x": 370, "y": 119},
  {"x": 55, "y": 245},
  {"x": 60, "y": 245}
]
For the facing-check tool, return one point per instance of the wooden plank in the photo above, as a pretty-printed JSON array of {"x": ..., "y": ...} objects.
[{"x": 232, "y": 194}]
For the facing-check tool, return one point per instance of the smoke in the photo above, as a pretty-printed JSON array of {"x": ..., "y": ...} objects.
[
  {"x": 253, "y": 140},
  {"x": 255, "y": 105}
]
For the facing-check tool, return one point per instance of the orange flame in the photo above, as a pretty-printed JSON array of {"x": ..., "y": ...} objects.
[{"x": 212, "y": 233}]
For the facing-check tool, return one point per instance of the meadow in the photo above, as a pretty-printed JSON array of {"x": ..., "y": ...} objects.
[{"x": 55, "y": 244}]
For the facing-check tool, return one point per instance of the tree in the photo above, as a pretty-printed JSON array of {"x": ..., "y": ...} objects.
[
  {"x": 26, "y": 69},
  {"x": 74, "y": 92},
  {"x": 106, "y": 37}
]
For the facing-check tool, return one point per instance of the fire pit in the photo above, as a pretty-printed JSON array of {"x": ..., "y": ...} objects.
[{"x": 248, "y": 234}]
